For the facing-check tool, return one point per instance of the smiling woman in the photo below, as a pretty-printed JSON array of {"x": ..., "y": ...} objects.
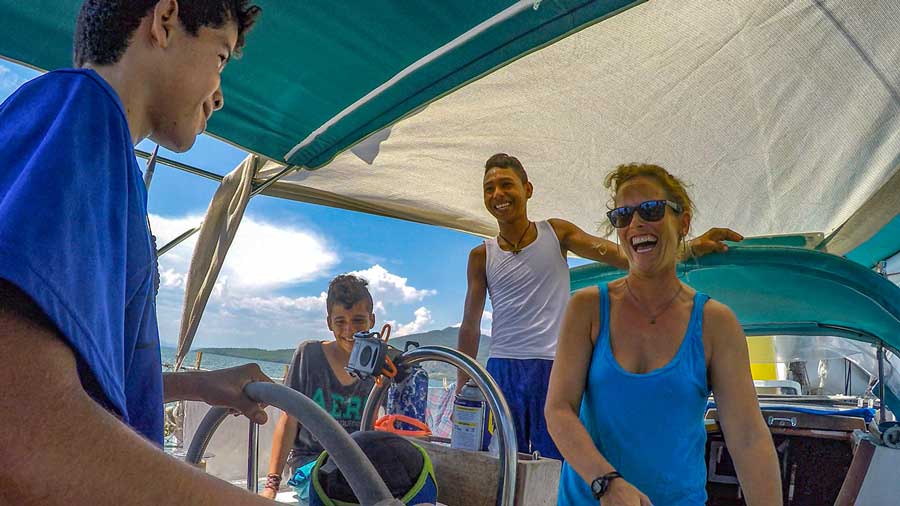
[{"x": 648, "y": 336}]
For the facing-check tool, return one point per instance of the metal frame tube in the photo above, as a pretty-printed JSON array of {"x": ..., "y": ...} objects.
[
  {"x": 178, "y": 165},
  {"x": 176, "y": 241},
  {"x": 252, "y": 460},
  {"x": 506, "y": 489},
  {"x": 151, "y": 167},
  {"x": 269, "y": 182},
  {"x": 256, "y": 191},
  {"x": 880, "y": 355}
]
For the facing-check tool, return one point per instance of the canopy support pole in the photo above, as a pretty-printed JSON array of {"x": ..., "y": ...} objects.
[
  {"x": 178, "y": 240},
  {"x": 178, "y": 165},
  {"x": 252, "y": 458},
  {"x": 269, "y": 182},
  {"x": 151, "y": 168},
  {"x": 881, "y": 269},
  {"x": 256, "y": 191},
  {"x": 880, "y": 355}
]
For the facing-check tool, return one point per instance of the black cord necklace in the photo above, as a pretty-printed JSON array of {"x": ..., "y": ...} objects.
[{"x": 515, "y": 246}]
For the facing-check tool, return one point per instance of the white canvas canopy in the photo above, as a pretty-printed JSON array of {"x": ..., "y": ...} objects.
[{"x": 783, "y": 116}]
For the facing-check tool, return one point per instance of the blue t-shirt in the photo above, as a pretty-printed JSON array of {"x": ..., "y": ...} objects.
[{"x": 74, "y": 236}]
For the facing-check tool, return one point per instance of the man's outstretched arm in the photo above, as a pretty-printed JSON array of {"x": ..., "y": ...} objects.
[
  {"x": 585, "y": 245},
  {"x": 476, "y": 294},
  {"x": 52, "y": 429},
  {"x": 574, "y": 239}
]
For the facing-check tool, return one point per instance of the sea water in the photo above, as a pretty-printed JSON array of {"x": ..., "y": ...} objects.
[
  {"x": 274, "y": 370},
  {"x": 212, "y": 362}
]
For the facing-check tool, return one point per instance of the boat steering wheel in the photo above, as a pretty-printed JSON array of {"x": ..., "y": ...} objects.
[{"x": 361, "y": 475}]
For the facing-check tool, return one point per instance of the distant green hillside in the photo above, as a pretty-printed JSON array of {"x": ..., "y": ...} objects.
[
  {"x": 443, "y": 337},
  {"x": 277, "y": 356}
]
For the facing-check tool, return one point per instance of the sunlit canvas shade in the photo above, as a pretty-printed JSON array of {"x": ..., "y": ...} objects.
[
  {"x": 223, "y": 217},
  {"x": 308, "y": 61},
  {"x": 783, "y": 116}
]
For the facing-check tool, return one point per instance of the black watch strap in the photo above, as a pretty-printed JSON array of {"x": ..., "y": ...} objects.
[{"x": 600, "y": 485}]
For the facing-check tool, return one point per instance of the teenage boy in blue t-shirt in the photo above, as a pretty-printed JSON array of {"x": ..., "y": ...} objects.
[{"x": 82, "y": 388}]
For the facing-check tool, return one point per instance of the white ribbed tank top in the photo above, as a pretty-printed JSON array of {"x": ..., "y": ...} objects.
[{"x": 529, "y": 292}]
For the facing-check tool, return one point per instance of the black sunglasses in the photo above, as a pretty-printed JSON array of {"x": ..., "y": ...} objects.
[{"x": 651, "y": 210}]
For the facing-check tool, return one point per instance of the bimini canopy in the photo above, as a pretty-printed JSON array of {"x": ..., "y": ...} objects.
[{"x": 783, "y": 115}]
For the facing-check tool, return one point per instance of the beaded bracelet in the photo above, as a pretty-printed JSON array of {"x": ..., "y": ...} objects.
[{"x": 273, "y": 481}]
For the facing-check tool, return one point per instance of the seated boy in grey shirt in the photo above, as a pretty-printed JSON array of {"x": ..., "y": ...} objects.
[{"x": 317, "y": 371}]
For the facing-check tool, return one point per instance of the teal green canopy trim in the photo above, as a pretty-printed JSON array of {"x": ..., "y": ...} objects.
[
  {"x": 796, "y": 291},
  {"x": 884, "y": 244},
  {"x": 496, "y": 47},
  {"x": 808, "y": 241},
  {"x": 307, "y": 61}
]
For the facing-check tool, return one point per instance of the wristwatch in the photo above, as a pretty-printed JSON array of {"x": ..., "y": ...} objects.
[{"x": 601, "y": 485}]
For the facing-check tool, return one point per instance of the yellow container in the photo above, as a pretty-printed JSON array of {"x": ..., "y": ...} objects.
[{"x": 762, "y": 357}]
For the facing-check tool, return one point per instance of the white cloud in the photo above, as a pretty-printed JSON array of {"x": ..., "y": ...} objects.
[
  {"x": 256, "y": 321},
  {"x": 281, "y": 304},
  {"x": 242, "y": 310},
  {"x": 246, "y": 308},
  {"x": 168, "y": 278},
  {"x": 268, "y": 256},
  {"x": 262, "y": 257},
  {"x": 391, "y": 288},
  {"x": 422, "y": 319},
  {"x": 486, "y": 316}
]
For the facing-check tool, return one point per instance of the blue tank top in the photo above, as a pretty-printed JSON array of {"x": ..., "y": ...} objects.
[{"x": 648, "y": 426}]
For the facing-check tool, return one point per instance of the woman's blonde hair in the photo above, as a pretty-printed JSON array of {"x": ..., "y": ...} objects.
[{"x": 674, "y": 188}]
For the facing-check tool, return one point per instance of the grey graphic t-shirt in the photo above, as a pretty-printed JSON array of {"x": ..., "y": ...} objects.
[{"x": 311, "y": 375}]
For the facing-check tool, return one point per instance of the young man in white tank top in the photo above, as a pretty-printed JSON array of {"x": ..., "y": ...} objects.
[{"x": 525, "y": 271}]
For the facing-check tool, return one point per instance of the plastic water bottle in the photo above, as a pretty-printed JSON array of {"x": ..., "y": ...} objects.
[
  {"x": 470, "y": 421},
  {"x": 494, "y": 446}
]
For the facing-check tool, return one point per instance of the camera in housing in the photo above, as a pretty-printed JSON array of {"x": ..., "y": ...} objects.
[{"x": 367, "y": 356}]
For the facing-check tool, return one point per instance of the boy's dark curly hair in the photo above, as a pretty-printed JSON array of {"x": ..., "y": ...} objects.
[
  {"x": 348, "y": 290},
  {"x": 104, "y": 27}
]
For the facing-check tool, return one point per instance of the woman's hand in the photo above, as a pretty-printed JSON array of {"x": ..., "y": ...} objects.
[
  {"x": 622, "y": 493},
  {"x": 268, "y": 493}
]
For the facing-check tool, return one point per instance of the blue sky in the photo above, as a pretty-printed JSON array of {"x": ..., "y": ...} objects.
[{"x": 271, "y": 291}]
